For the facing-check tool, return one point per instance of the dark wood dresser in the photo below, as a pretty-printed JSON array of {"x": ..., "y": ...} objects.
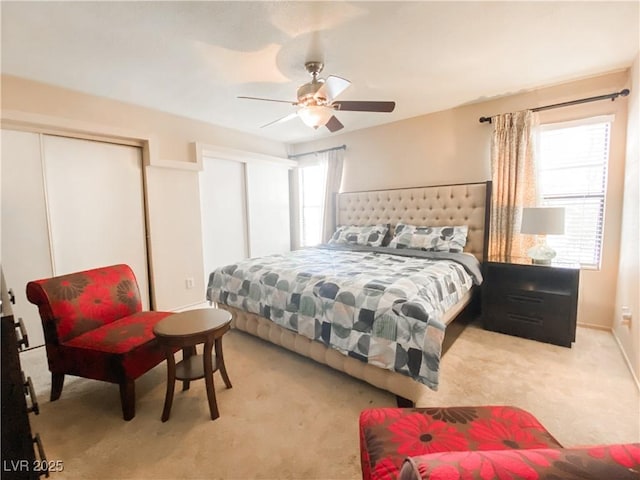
[
  {"x": 22, "y": 453},
  {"x": 538, "y": 302}
]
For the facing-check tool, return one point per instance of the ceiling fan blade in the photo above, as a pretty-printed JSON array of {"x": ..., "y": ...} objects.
[
  {"x": 333, "y": 125},
  {"x": 364, "y": 106},
  {"x": 332, "y": 87},
  {"x": 280, "y": 120},
  {"x": 269, "y": 100}
]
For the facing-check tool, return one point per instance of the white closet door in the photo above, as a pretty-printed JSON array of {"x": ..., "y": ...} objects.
[
  {"x": 268, "y": 206},
  {"x": 96, "y": 206},
  {"x": 223, "y": 210},
  {"x": 25, "y": 238}
]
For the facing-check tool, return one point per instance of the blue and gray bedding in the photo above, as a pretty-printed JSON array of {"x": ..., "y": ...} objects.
[{"x": 382, "y": 306}]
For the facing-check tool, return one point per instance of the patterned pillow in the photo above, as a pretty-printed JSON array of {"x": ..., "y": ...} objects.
[
  {"x": 432, "y": 239},
  {"x": 370, "y": 235}
]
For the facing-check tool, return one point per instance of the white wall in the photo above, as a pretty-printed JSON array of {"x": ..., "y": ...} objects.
[
  {"x": 628, "y": 294},
  {"x": 174, "y": 230}
]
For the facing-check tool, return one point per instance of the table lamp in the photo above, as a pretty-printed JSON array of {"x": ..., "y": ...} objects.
[{"x": 542, "y": 221}]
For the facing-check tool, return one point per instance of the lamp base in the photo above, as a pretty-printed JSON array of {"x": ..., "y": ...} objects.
[
  {"x": 536, "y": 261},
  {"x": 541, "y": 254}
]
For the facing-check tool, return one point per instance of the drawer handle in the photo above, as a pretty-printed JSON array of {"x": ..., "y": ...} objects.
[
  {"x": 25, "y": 385},
  {"x": 524, "y": 299},
  {"x": 525, "y": 319},
  {"x": 23, "y": 342},
  {"x": 43, "y": 458},
  {"x": 34, "y": 400}
]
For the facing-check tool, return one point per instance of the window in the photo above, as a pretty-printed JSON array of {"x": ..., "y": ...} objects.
[
  {"x": 311, "y": 181},
  {"x": 572, "y": 169}
]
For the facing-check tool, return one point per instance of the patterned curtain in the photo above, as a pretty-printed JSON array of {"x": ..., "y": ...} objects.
[
  {"x": 514, "y": 182},
  {"x": 333, "y": 161}
]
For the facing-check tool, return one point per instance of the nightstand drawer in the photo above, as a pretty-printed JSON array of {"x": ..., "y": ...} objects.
[
  {"x": 524, "y": 301},
  {"x": 548, "y": 328},
  {"x": 532, "y": 278}
]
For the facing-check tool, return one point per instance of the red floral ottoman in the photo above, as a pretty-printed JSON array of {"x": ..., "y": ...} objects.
[{"x": 389, "y": 435}]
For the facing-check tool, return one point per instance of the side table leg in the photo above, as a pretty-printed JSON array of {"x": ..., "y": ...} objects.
[
  {"x": 220, "y": 362},
  {"x": 208, "y": 378},
  {"x": 186, "y": 353},
  {"x": 171, "y": 383}
]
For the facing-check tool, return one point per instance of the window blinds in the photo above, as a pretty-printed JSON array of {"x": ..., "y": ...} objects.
[{"x": 572, "y": 169}]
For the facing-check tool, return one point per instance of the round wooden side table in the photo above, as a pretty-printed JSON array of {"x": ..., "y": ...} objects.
[{"x": 186, "y": 330}]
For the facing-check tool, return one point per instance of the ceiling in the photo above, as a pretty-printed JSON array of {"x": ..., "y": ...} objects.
[{"x": 194, "y": 58}]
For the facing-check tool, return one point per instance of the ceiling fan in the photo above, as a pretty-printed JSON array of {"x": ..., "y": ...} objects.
[{"x": 317, "y": 100}]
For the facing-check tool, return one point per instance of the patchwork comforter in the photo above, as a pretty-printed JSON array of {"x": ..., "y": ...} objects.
[{"x": 382, "y": 306}]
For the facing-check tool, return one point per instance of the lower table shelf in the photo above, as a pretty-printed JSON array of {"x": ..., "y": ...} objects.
[{"x": 192, "y": 368}]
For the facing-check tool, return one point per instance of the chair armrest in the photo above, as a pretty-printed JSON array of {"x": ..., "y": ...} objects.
[{"x": 621, "y": 461}]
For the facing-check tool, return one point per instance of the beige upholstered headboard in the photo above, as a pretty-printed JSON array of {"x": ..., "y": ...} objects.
[{"x": 441, "y": 205}]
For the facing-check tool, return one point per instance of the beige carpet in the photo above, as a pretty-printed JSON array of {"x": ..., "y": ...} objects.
[{"x": 288, "y": 417}]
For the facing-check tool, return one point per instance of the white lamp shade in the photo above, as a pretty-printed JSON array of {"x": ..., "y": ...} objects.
[
  {"x": 543, "y": 221},
  {"x": 315, "y": 116}
]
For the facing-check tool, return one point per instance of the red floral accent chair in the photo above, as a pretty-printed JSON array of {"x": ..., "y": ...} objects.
[
  {"x": 488, "y": 442},
  {"x": 94, "y": 327}
]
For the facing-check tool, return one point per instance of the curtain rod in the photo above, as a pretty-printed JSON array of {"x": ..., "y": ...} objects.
[
  {"x": 318, "y": 151},
  {"x": 612, "y": 96}
]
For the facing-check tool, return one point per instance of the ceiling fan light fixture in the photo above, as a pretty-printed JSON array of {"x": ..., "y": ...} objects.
[
  {"x": 315, "y": 116},
  {"x": 316, "y": 101}
]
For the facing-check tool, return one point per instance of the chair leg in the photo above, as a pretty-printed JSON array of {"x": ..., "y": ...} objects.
[
  {"x": 128, "y": 399},
  {"x": 57, "y": 382}
]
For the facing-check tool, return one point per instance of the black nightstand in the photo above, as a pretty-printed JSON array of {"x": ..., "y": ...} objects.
[{"x": 539, "y": 302}]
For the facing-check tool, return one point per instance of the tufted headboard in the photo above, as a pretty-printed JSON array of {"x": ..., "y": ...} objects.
[{"x": 440, "y": 205}]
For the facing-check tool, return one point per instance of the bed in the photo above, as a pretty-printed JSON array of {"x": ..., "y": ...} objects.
[{"x": 337, "y": 303}]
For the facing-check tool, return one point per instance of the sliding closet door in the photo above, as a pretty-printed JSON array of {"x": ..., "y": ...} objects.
[
  {"x": 96, "y": 206},
  {"x": 245, "y": 209},
  {"x": 223, "y": 210},
  {"x": 25, "y": 238},
  {"x": 268, "y": 207}
]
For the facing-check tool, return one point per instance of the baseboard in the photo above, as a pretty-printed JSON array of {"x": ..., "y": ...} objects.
[
  {"x": 626, "y": 360},
  {"x": 594, "y": 326}
]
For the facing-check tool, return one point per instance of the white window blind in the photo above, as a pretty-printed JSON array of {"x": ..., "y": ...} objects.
[
  {"x": 311, "y": 180},
  {"x": 572, "y": 169}
]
